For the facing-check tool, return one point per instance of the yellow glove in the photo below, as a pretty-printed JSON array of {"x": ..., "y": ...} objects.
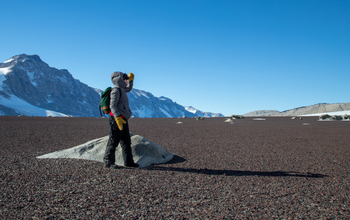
[
  {"x": 131, "y": 76},
  {"x": 120, "y": 122}
]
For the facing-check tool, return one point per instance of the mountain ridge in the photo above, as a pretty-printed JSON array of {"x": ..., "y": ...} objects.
[
  {"x": 304, "y": 110},
  {"x": 29, "y": 86}
]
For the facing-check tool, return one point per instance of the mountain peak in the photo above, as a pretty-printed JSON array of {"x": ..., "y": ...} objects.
[{"x": 24, "y": 57}]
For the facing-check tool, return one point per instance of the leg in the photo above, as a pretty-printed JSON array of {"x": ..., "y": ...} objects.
[
  {"x": 114, "y": 137},
  {"x": 125, "y": 143}
]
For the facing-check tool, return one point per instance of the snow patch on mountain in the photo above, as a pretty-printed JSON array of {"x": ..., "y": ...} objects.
[
  {"x": 141, "y": 93},
  {"x": 62, "y": 78},
  {"x": 25, "y": 108},
  {"x": 142, "y": 112},
  {"x": 32, "y": 78},
  {"x": 165, "y": 112},
  {"x": 3, "y": 73},
  {"x": 191, "y": 109},
  {"x": 5, "y": 70},
  {"x": 201, "y": 113},
  {"x": 9, "y": 60},
  {"x": 2, "y": 79}
]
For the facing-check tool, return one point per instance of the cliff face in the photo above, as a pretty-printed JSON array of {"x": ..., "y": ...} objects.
[{"x": 35, "y": 82}]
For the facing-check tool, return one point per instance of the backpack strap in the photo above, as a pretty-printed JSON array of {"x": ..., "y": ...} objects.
[
  {"x": 120, "y": 95},
  {"x": 100, "y": 110}
]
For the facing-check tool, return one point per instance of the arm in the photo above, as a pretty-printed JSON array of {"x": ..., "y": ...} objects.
[
  {"x": 131, "y": 82},
  {"x": 114, "y": 96},
  {"x": 129, "y": 86}
]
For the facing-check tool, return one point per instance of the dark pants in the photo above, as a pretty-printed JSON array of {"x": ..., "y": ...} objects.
[{"x": 117, "y": 136}]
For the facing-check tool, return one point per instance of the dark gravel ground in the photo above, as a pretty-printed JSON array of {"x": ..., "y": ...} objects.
[{"x": 273, "y": 169}]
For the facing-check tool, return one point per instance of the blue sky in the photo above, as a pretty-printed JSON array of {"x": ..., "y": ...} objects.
[{"x": 227, "y": 56}]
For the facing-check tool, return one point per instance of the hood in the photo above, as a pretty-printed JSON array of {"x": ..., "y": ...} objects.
[{"x": 117, "y": 79}]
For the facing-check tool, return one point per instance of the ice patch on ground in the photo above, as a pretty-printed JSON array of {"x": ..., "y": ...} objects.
[{"x": 329, "y": 113}]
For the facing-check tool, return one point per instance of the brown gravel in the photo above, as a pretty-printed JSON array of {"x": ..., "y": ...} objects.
[{"x": 278, "y": 168}]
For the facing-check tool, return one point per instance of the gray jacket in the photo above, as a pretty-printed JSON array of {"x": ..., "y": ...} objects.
[{"x": 120, "y": 106}]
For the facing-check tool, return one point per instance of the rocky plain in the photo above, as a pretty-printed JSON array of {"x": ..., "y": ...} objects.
[{"x": 276, "y": 168}]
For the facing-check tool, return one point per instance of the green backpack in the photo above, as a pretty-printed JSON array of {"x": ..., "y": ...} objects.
[{"x": 105, "y": 100}]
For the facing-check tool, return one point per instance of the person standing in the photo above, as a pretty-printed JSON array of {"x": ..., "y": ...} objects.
[{"x": 118, "y": 121}]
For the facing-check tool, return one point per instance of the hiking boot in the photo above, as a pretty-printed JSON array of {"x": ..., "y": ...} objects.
[
  {"x": 111, "y": 165},
  {"x": 135, "y": 165}
]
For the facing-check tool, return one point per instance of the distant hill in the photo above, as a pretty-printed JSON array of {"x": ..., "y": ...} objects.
[
  {"x": 261, "y": 113},
  {"x": 305, "y": 110}
]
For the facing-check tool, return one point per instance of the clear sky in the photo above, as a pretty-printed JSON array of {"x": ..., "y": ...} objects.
[{"x": 227, "y": 56}]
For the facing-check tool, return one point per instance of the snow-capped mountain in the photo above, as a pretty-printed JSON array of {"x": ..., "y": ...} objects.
[
  {"x": 202, "y": 114},
  {"x": 29, "y": 86},
  {"x": 30, "y": 81},
  {"x": 145, "y": 105}
]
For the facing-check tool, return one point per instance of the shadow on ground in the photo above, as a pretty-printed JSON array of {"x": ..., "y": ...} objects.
[{"x": 177, "y": 159}]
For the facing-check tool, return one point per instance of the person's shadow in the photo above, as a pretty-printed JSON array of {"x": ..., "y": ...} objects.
[{"x": 177, "y": 159}]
